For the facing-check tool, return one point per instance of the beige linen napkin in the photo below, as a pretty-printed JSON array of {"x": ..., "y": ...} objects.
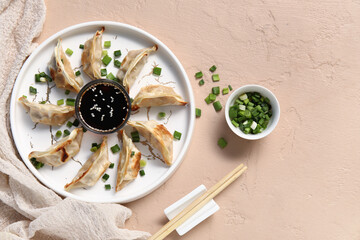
[{"x": 27, "y": 208}]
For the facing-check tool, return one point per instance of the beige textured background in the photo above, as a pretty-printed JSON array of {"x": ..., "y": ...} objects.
[{"x": 303, "y": 179}]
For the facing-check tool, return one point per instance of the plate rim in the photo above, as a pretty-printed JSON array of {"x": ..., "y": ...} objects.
[{"x": 191, "y": 101}]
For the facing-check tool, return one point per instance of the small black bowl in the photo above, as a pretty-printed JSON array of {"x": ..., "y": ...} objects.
[{"x": 103, "y": 106}]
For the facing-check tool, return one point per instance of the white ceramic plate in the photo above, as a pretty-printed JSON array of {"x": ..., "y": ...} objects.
[{"x": 123, "y": 37}]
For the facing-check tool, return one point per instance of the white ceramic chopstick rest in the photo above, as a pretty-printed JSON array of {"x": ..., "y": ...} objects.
[{"x": 209, "y": 209}]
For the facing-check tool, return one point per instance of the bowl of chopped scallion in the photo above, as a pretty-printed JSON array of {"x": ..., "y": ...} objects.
[{"x": 252, "y": 112}]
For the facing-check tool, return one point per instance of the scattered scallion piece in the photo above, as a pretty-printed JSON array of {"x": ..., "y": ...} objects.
[
  {"x": 201, "y": 82},
  {"x": 132, "y": 154},
  {"x": 117, "y": 63},
  {"x": 66, "y": 133},
  {"x": 103, "y": 72},
  {"x": 58, "y": 134},
  {"x": 157, "y": 71},
  {"x": 69, "y": 124},
  {"x": 215, "y": 77},
  {"x": 222, "y": 143},
  {"x": 67, "y": 92},
  {"x": 76, "y": 123},
  {"x": 213, "y": 68},
  {"x": 93, "y": 149},
  {"x": 42, "y": 102},
  {"x": 111, "y": 165},
  {"x": 107, "y": 186},
  {"x": 37, "y": 78},
  {"x": 36, "y": 164},
  {"x": 106, "y": 60},
  {"x": 81, "y": 46},
  {"x": 199, "y": 75},
  {"x": 142, "y": 163},
  {"x": 225, "y": 91},
  {"x": 117, "y": 53},
  {"x": 104, "y": 53},
  {"x": 135, "y": 136},
  {"x": 230, "y": 88},
  {"x": 32, "y": 90},
  {"x": 177, "y": 135},
  {"x": 69, "y": 52},
  {"x": 217, "y": 105},
  {"x": 115, "y": 148},
  {"x": 142, "y": 172},
  {"x": 198, "y": 112},
  {"x": 216, "y": 90},
  {"x": 77, "y": 73},
  {"x": 161, "y": 114},
  {"x": 110, "y": 76},
  {"x": 209, "y": 99},
  {"x": 105, "y": 177},
  {"x": 107, "y": 44},
  {"x": 70, "y": 102}
]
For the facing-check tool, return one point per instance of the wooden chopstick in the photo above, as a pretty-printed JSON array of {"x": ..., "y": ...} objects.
[{"x": 198, "y": 203}]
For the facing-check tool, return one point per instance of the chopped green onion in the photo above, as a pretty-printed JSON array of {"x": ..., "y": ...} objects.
[
  {"x": 70, "y": 102},
  {"x": 37, "y": 78},
  {"x": 106, "y": 60},
  {"x": 69, "y": 52},
  {"x": 230, "y": 88},
  {"x": 215, "y": 77},
  {"x": 115, "y": 148},
  {"x": 117, "y": 53},
  {"x": 110, "y": 76},
  {"x": 32, "y": 90},
  {"x": 177, "y": 135},
  {"x": 104, "y": 53},
  {"x": 132, "y": 154},
  {"x": 69, "y": 124},
  {"x": 217, "y": 105},
  {"x": 222, "y": 143},
  {"x": 67, "y": 92},
  {"x": 105, "y": 177},
  {"x": 58, "y": 134},
  {"x": 157, "y": 71},
  {"x": 103, "y": 72},
  {"x": 216, "y": 90},
  {"x": 131, "y": 100},
  {"x": 93, "y": 149},
  {"x": 135, "y": 136},
  {"x": 36, "y": 164},
  {"x": 107, "y": 44},
  {"x": 161, "y": 114},
  {"x": 76, "y": 123},
  {"x": 213, "y": 68},
  {"x": 107, "y": 186},
  {"x": 201, "y": 82},
  {"x": 77, "y": 73},
  {"x": 243, "y": 96},
  {"x": 81, "y": 46},
  {"x": 210, "y": 98},
  {"x": 142, "y": 163},
  {"x": 42, "y": 102},
  {"x": 142, "y": 172},
  {"x": 117, "y": 63},
  {"x": 199, "y": 74},
  {"x": 198, "y": 112},
  {"x": 235, "y": 123},
  {"x": 66, "y": 133},
  {"x": 111, "y": 165},
  {"x": 24, "y": 96},
  {"x": 225, "y": 91},
  {"x": 95, "y": 145}
]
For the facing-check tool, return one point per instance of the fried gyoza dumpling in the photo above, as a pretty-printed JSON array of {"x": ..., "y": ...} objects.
[
  {"x": 48, "y": 114},
  {"x": 158, "y": 136},
  {"x": 62, "y": 151},
  {"x": 156, "y": 95},
  {"x": 129, "y": 162},
  {"x": 62, "y": 72},
  {"x": 91, "y": 56},
  {"x": 93, "y": 168},
  {"x": 132, "y": 65}
]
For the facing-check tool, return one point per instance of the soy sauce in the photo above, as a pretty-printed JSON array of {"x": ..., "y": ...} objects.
[{"x": 104, "y": 107}]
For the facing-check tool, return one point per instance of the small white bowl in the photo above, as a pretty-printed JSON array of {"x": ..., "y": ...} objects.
[{"x": 275, "y": 106}]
